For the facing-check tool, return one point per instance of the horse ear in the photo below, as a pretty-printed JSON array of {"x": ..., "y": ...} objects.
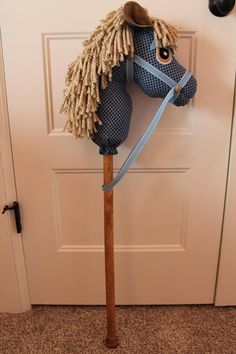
[{"x": 136, "y": 15}]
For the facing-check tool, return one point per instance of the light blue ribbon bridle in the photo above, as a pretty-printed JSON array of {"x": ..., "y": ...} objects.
[{"x": 170, "y": 98}]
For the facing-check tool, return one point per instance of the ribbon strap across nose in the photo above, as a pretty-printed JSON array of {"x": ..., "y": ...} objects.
[
  {"x": 170, "y": 98},
  {"x": 154, "y": 71}
]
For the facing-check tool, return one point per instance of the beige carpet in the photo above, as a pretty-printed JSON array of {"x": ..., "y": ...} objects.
[{"x": 141, "y": 329}]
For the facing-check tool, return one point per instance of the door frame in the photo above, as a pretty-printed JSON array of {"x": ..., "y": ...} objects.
[
  {"x": 18, "y": 270},
  {"x": 225, "y": 293}
]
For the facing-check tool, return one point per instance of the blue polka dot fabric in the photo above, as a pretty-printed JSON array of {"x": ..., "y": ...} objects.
[
  {"x": 115, "y": 112},
  {"x": 115, "y": 106}
]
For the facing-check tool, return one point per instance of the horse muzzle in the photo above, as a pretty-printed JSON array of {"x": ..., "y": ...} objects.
[{"x": 185, "y": 93}]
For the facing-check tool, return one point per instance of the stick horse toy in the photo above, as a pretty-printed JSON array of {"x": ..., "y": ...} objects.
[{"x": 128, "y": 45}]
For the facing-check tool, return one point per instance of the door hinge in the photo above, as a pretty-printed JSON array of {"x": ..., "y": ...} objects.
[{"x": 15, "y": 206}]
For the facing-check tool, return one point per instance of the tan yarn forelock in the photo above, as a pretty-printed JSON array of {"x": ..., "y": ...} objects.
[{"x": 106, "y": 48}]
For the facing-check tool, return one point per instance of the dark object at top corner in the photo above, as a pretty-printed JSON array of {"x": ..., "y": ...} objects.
[{"x": 221, "y": 8}]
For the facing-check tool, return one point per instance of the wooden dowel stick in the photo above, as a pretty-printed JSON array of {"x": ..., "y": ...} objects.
[{"x": 111, "y": 339}]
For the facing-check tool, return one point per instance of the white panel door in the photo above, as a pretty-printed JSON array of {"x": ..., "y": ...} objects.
[{"x": 168, "y": 208}]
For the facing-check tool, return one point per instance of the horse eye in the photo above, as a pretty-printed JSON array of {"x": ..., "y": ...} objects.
[{"x": 164, "y": 55}]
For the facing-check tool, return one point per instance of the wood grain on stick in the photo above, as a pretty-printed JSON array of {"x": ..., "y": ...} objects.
[{"x": 111, "y": 340}]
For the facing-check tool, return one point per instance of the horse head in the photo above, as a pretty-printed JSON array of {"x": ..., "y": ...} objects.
[
  {"x": 128, "y": 45},
  {"x": 163, "y": 59},
  {"x": 157, "y": 53}
]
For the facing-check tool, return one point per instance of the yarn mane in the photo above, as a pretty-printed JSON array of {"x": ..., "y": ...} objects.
[{"x": 105, "y": 49}]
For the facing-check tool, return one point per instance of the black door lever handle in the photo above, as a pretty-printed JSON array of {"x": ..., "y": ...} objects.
[
  {"x": 221, "y": 8},
  {"x": 15, "y": 207}
]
